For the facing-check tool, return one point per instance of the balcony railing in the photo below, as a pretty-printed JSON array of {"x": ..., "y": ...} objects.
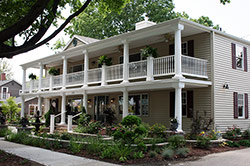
[{"x": 162, "y": 66}]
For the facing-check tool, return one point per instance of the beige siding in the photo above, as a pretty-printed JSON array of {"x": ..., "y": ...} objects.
[
  {"x": 238, "y": 81},
  {"x": 79, "y": 43}
]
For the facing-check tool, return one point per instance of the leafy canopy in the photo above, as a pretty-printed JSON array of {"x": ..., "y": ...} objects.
[{"x": 10, "y": 109}]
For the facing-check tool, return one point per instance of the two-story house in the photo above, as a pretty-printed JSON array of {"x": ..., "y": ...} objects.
[{"x": 198, "y": 70}]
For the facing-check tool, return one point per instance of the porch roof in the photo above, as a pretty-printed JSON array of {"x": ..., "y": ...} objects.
[{"x": 137, "y": 38}]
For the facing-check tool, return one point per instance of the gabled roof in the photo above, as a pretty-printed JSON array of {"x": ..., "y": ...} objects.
[
  {"x": 85, "y": 40},
  {"x": 7, "y": 81}
]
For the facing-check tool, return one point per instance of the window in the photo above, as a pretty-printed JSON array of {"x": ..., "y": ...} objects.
[
  {"x": 138, "y": 104},
  {"x": 239, "y": 57},
  {"x": 74, "y": 42},
  {"x": 184, "y": 48},
  {"x": 184, "y": 103},
  {"x": 241, "y": 111},
  {"x": 4, "y": 94},
  {"x": 76, "y": 68},
  {"x": 132, "y": 58}
]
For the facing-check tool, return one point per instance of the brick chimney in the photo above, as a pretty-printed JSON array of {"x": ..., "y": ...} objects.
[{"x": 3, "y": 76}]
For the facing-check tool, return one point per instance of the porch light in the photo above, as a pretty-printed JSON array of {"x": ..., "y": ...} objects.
[
  {"x": 226, "y": 86},
  {"x": 89, "y": 101},
  {"x": 112, "y": 100}
]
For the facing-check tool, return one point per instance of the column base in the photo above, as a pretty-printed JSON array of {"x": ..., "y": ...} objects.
[
  {"x": 63, "y": 88},
  {"x": 178, "y": 77},
  {"x": 62, "y": 124},
  {"x": 125, "y": 82},
  {"x": 84, "y": 86},
  {"x": 150, "y": 79}
]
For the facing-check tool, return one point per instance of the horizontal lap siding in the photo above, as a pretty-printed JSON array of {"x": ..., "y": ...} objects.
[{"x": 238, "y": 81}]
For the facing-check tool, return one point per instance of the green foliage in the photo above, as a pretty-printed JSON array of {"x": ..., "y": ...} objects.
[
  {"x": 153, "y": 153},
  {"x": 149, "y": 51},
  {"x": 176, "y": 141},
  {"x": 203, "y": 142},
  {"x": 11, "y": 109},
  {"x": 157, "y": 130},
  {"x": 232, "y": 133},
  {"x": 83, "y": 120},
  {"x": 5, "y": 67},
  {"x": 233, "y": 144},
  {"x": 167, "y": 153},
  {"x": 32, "y": 76},
  {"x": 104, "y": 60},
  {"x": 138, "y": 155},
  {"x": 53, "y": 71},
  {"x": 225, "y": 1},
  {"x": 47, "y": 117},
  {"x": 246, "y": 134},
  {"x": 244, "y": 143},
  {"x": 75, "y": 147},
  {"x": 131, "y": 120},
  {"x": 4, "y": 132},
  {"x": 58, "y": 45},
  {"x": 92, "y": 127},
  {"x": 182, "y": 152}
]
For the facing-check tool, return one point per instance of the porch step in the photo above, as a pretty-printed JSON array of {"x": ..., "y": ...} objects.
[{"x": 63, "y": 128}]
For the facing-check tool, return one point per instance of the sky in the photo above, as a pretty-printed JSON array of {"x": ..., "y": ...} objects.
[{"x": 233, "y": 18}]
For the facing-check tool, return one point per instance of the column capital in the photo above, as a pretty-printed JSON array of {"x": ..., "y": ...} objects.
[
  {"x": 125, "y": 41},
  {"x": 24, "y": 68},
  {"x": 64, "y": 57},
  {"x": 85, "y": 52},
  {"x": 40, "y": 64},
  {"x": 180, "y": 27},
  {"x": 179, "y": 85}
]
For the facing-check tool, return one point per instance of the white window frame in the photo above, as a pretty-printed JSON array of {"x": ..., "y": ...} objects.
[
  {"x": 183, "y": 48},
  {"x": 140, "y": 103},
  {"x": 236, "y": 56},
  {"x": 184, "y": 92},
  {"x": 243, "y": 106},
  {"x": 7, "y": 91}
]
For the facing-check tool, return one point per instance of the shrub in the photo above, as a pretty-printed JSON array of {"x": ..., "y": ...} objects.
[
  {"x": 84, "y": 119},
  {"x": 232, "y": 133},
  {"x": 152, "y": 153},
  {"x": 246, "y": 134},
  {"x": 65, "y": 136},
  {"x": 131, "y": 120},
  {"x": 75, "y": 147},
  {"x": 157, "y": 130},
  {"x": 233, "y": 144},
  {"x": 167, "y": 153},
  {"x": 4, "y": 132},
  {"x": 176, "y": 141},
  {"x": 182, "y": 152},
  {"x": 47, "y": 117},
  {"x": 203, "y": 142},
  {"x": 138, "y": 155},
  {"x": 244, "y": 143}
]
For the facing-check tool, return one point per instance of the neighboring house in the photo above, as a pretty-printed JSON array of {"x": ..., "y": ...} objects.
[{"x": 199, "y": 71}]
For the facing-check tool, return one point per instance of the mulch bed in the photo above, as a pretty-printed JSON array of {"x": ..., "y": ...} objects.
[{"x": 7, "y": 159}]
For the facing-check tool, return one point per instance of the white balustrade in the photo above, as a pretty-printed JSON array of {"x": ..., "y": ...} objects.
[
  {"x": 115, "y": 72},
  {"x": 36, "y": 85},
  {"x": 57, "y": 81},
  {"x": 138, "y": 69},
  {"x": 95, "y": 75},
  {"x": 163, "y": 65},
  {"x": 45, "y": 83},
  {"x": 75, "y": 78},
  {"x": 194, "y": 66},
  {"x": 27, "y": 85}
]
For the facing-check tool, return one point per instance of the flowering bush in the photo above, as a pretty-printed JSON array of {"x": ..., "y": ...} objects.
[
  {"x": 232, "y": 133},
  {"x": 157, "y": 130}
]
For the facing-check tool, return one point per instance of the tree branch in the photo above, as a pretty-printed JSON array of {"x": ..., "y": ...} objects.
[
  {"x": 25, "y": 22},
  {"x": 9, "y": 53}
]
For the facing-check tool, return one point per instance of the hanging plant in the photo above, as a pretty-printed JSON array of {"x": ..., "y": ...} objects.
[
  {"x": 149, "y": 51},
  {"x": 32, "y": 76},
  {"x": 53, "y": 71},
  {"x": 105, "y": 60}
]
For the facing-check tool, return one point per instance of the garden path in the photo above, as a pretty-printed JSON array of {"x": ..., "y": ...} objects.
[{"x": 48, "y": 157}]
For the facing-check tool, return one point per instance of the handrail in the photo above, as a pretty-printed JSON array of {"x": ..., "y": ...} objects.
[
  {"x": 58, "y": 115},
  {"x": 76, "y": 115}
]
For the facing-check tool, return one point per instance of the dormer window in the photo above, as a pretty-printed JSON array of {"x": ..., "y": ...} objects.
[{"x": 74, "y": 42}]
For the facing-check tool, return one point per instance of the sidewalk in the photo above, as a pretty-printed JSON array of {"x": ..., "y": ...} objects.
[{"x": 48, "y": 157}]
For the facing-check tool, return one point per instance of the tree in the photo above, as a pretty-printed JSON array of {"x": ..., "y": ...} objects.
[
  {"x": 30, "y": 20},
  {"x": 5, "y": 67},
  {"x": 10, "y": 109},
  {"x": 92, "y": 23}
]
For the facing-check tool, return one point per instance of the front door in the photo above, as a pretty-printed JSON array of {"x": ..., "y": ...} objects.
[{"x": 100, "y": 104}]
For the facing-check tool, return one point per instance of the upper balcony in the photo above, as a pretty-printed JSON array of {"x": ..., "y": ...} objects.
[{"x": 156, "y": 68}]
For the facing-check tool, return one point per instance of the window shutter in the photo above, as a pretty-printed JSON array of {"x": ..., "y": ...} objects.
[
  {"x": 245, "y": 58},
  {"x": 191, "y": 48},
  {"x": 171, "y": 49},
  {"x": 190, "y": 104},
  {"x": 236, "y": 105},
  {"x": 172, "y": 104},
  {"x": 233, "y": 56},
  {"x": 246, "y": 105}
]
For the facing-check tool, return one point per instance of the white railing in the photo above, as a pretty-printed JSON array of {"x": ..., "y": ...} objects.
[
  {"x": 114, "y": 72},
  {"x": 75, "y": 78},
  {"x": 138, "y": 69},
  {"x": 45, "y": 83},
  {"x": 57, "y": 81},
  {"x": 163, "y": 66},
  {"x": 27, "y": 87},
  {"x": 36, "y": 85},
  {"x": 95, "y": 75},
  {"x": 194, "y": 66}
]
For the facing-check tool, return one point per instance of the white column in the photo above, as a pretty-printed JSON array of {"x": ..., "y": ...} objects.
[
  {"x": 22, "y": 106},
  {"x": 40, "y": 76},
  {"x": 50, "y": 83},
  {"x": 150, "y": 68},
  {"x": 24, "y": 80},
  {"x": 178, "y": 105},
  {"x": 104, "y": 82},
  {"x": 52, "y": 124},
  {"x": 69, "y": 123},
  {"x": 125, "y": 61},
  {"x": 63, "y": 109},
  {"x": 125, "y": 104},
  {"x": 86, "y": 67},
  {"x": 178, "y": 73},
  {"x": 85, "y": 101},
  {"x": 40, "y": 105},
  {"x": 64, "y": 72}
]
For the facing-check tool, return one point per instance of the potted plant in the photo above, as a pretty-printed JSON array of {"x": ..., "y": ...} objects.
[
  {"x": 174, "y": 124},
  {"x": 53, "y": 71},
  {"x": 32, "y": 76},
  {"x": 105, "y": 60},
  {"x": 149, "y": 52}
]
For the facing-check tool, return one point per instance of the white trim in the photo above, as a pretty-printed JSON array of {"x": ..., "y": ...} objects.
[
  {"x": 243, "y": 106},
  {"x": 7, "y": 91}
]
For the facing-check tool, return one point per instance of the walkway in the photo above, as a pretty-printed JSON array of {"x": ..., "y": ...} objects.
[
  {"x": 230, "y": 158},
  {"x": 48, "y": 157}
]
